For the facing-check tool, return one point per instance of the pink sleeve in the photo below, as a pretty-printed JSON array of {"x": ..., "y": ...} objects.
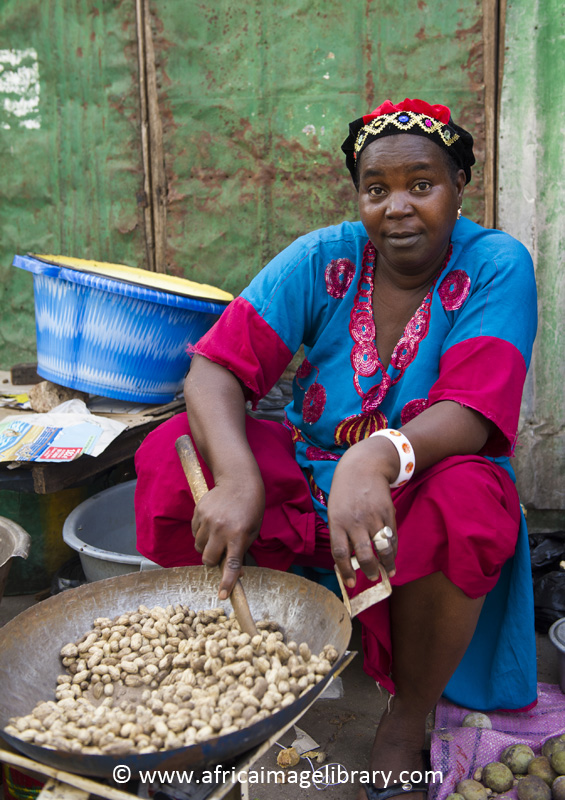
[
  {"x": 486, "y": 374},
  {"x": 244, "y": 343}
]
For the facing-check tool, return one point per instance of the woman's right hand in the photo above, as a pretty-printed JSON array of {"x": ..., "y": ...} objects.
[
  {"x": 228, "y": 518},
  {"x": 226, "y": 521}
]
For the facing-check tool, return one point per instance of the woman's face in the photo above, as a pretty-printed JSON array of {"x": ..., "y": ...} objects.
[{"x": 408, "y": 201}]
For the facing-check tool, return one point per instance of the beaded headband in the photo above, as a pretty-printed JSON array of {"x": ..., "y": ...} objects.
[{"x": 414, "y": 117}]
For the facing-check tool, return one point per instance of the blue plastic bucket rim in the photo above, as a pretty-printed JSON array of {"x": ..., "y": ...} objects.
[{"x": 102, "y": 283}]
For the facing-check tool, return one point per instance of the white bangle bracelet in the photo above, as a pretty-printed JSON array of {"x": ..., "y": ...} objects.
[{"x": 405, "y": 453}]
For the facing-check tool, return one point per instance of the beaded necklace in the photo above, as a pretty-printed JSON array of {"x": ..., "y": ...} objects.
[{"x": 365, "y": 358}]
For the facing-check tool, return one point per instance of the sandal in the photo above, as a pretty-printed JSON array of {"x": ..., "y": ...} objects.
[{"x": 394, "y": 790}]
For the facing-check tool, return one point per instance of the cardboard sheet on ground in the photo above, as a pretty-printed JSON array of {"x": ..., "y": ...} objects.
[
  {"x": 457, "y": 751},
  {"x": 63, "y": 434}
]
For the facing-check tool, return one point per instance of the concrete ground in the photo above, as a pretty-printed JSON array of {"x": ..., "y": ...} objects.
[{"x": 343, "y": 728}]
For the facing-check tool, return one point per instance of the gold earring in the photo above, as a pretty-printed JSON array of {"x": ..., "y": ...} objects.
[{"x": 459, "y": 212}]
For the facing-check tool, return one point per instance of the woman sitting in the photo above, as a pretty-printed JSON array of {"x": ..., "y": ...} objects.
[{"x": 417, "y": 326}]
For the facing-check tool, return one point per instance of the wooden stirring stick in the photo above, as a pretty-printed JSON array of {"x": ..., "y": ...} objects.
[{"x": 198, "y": 487}]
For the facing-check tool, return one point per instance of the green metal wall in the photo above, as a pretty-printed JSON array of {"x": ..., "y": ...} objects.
[
  {"x": 69, "y": 145},
  {"x": 532, "y": 208},
  {"x": 256, "y": 97},
  {"x": 254, "y": 100}
]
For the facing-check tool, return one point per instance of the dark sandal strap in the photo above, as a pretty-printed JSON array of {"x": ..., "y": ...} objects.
[{"x": 394, "y": 790}]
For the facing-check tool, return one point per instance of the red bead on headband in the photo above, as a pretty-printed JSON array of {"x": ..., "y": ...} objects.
[
  {"x": 441, "y": 113},
  {"x": 413, "y": 117}
]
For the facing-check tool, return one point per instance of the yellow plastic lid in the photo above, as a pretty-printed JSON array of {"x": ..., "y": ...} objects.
[{"x": 141, "y": 277}]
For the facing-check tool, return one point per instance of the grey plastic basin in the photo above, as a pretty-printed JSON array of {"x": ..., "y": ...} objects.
[
  {"x": 102, "y": 531},
  {"x": 557, "y": 636}
]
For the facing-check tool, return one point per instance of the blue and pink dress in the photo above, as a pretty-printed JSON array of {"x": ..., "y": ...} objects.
[{"x": 470, "y": 341}]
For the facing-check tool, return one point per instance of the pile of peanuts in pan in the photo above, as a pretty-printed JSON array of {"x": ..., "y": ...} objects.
[{"x": 166, "y": 678}]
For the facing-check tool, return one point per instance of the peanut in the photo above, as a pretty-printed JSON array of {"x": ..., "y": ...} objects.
[{"x": 201, "y": 677}]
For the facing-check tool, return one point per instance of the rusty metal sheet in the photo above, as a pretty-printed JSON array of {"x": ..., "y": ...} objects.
[
  {"x": 69, "y": 145},
  {"x": 532, "y": 208},
  {"x": 255, "y": 99},
  {"x": 253, "y": 102}
]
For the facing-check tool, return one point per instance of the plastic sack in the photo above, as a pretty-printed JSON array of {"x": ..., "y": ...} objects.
[
  {"x": 68, "y": 576},
  {"x": 547, "y": 550},
  {"x": 549, "y": 599}
]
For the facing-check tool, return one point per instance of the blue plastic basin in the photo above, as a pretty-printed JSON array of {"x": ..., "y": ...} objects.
[{"x": 111, "y": 337}]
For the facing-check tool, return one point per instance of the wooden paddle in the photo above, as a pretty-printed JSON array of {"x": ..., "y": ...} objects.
[{"x": 198, "y": 487}]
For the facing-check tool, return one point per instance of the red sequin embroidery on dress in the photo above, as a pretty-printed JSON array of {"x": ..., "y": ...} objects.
[
  {"x": 304, "y": 370},
  {"x": 315, "y": 489},
  {"x": 412, "y": 409},
  {"x": 339, "y": 274},
  {"x": 296, "y": 433},
  {"x": 314, "y": 400},
  {"x": 364, "y": 355},
  {"x": 314, "y": 403},
  {"x": 454, "y": 289},
  {"x": 317, "y": 454},
  {"x": 354, "y": 429}
]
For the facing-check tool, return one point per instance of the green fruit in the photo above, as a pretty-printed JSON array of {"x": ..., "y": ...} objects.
[
  {"x": 476, "y": 720},
  {"x": 517, "y": 757},
  {"x": 555, "y": 742},
  {"x": 454, "y": 796},
  {"x": 497, "y": 776},
  {"x": 558, "y": 788},
  {"x": 533, "y": 788},
  {"x": 541, "y": 767},
  {"x": 471, "y": 790},
  {"x": 558, "y": 760}
]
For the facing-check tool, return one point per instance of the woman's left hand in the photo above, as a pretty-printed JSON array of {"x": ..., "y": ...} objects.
[{"x": 360, "y": 505}]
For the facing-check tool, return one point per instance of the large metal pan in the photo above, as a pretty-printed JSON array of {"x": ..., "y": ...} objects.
[
  {"x": 14, "y": 541},
  {"x": 30, "y": 645}
]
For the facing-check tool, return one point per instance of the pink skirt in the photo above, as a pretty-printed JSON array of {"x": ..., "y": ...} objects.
[{"x": 460, "y": 517}]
